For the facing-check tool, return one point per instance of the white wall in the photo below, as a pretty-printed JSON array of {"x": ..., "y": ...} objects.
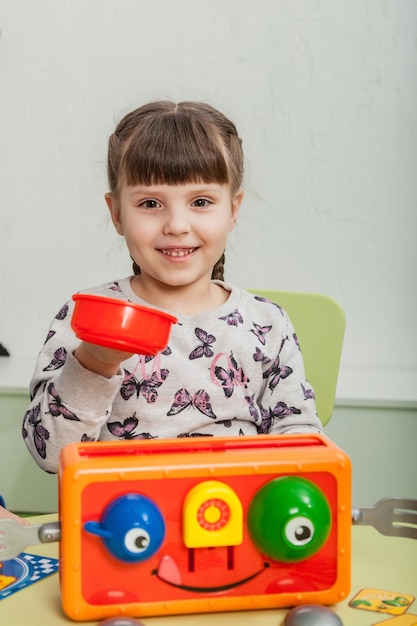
[{"x": 324, "y": 93}]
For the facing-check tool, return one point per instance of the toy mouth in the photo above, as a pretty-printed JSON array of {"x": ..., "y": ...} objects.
[{"x": 169, "y": 573}]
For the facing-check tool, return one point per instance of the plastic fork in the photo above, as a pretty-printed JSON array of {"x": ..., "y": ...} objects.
[
  {"x": 390, "y": 516},
  {"x": 15, "y": 537}
]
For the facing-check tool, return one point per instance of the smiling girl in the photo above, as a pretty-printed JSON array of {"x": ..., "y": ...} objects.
[{"x": 232, "y": 365}]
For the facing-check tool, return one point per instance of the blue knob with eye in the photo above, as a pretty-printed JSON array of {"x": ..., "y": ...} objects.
[
  {"x": 289, "y": 519},
  {"x": 132, "y": 528}
]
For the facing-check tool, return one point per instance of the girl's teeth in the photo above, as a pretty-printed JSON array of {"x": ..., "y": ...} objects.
[{"x": 177, "y": 252}]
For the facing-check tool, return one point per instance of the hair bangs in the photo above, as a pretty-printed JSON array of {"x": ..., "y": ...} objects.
[{"x": 175, "y": 149}]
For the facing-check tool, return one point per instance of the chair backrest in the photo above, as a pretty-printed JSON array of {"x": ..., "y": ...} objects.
[{"x": 319, "y": 322}]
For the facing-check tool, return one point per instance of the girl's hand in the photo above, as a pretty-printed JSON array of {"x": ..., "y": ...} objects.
[
  {"x": 101, "y": 360},
  {"x": 5, "y": 514}
]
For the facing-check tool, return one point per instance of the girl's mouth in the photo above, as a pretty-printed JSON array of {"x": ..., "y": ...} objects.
[{"x": 177, "y": 252}]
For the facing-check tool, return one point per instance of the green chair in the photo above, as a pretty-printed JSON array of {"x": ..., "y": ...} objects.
[{"x": 319, "y": 322}]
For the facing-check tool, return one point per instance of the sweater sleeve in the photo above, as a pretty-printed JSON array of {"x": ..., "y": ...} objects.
[
  {"x": 288, "y": 402},
  {"x": 68, "y": 403}
]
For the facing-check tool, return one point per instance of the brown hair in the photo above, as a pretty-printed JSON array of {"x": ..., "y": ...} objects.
[{"x": 168, "y": 143}]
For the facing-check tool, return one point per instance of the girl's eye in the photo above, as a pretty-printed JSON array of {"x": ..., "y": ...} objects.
[
  {"x": 201, "y": 202},
  {"x": 150, "y": 204}
]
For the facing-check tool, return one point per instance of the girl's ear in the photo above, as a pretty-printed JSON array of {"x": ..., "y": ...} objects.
[
  {"x": 236, "y": 202},
  {"x": 114, "y": 209}
]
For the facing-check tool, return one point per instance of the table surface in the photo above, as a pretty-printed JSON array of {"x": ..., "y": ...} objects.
[{"x": 378, "y": 562}]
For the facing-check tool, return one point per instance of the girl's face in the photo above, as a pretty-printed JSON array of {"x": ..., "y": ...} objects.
[{"x": 175, "y": 233}]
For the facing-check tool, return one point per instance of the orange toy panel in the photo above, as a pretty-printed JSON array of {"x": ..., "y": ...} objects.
[{"x": 168, "y": 527}]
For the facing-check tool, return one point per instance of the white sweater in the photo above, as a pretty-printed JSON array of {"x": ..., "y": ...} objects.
[{"x": 234, "y": 370}]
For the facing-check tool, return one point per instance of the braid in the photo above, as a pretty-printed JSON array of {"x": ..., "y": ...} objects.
[
  {"x": 218, "y": 269},
  {"x": 136, "y": 268}
]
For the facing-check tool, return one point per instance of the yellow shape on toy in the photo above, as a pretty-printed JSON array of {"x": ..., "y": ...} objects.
[{"x": 212, "y": 516}]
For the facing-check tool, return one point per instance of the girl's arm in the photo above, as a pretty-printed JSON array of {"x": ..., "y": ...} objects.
[
  {"x": 69, "y": 402},
  {"x": 5, "y": 514}
]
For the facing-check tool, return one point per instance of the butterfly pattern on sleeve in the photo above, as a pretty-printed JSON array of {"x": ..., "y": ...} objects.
[
  {"x": 40, "y": 433},
  {"x": 261, "y": 299},
  {"x": 57, "y": 407},
  {"x": 273, "y": 414},
  {"x": 62, "y": 313},
  {"x": 49, "y": 336},
  {"x": 308, "y": 392},
  {"x": 146, "y": 387},
  {"x": 184, "y": 400},
  {"x": 204, "y": 349},
  {"x": 126, "y": 430},
  {"x": 59, "y": 358},
  {"x": 41, "y": 383}
]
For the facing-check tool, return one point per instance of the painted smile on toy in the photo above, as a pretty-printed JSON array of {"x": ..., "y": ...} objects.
[{"x": 170, "y": 574}]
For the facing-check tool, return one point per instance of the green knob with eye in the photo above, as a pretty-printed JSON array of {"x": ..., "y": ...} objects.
[{"x": 289, "y": 519}]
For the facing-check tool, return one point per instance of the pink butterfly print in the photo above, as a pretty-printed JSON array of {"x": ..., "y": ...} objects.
[
  {"x": 60, "y": 356},
  {"x": 230, "y": 377},
  {"x": 233, "y": 319},
  {"x": 277, "y": 373},
  {"x": 272, "y": 415},
  {"x": 115, "y": 287},
  {"x": 260, "y": 357},
  {"x": 40, "y": 434},
  {"x": 62, "y": 313},
  {"x": 126, "y": 430},
  {"x": 260, "y": 332},
  {"x": 183, "y": 435},
  {"x": 253, "y": 409},
  {"x": 147, "y": 387},
  {"x": 297, "y": 343},
  {"x": 226, "y": 423},
  {"x": 57, "y": 408},
  {"x": 200, "y": 401},
  {"x": 85, "y": 438},
  {"x": 49, "y": 336},
  {"x": 41, "y": 383},
  {"x": 308, "y": 392},
  {"x": 269, "y": 302},
  {"x": 205, "y": 348}
]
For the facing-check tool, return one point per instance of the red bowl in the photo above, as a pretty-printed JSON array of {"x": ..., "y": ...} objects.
[{"x": 120, "y": 325}]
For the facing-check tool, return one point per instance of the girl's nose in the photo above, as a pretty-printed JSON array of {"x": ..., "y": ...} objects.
[{"x": 176, "y": 222}]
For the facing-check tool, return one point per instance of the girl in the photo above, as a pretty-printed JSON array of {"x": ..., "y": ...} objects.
[{"x": 232, "y": 365}]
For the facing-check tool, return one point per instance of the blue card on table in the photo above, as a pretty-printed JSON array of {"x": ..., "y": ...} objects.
[{"x": 24, "y": 570}]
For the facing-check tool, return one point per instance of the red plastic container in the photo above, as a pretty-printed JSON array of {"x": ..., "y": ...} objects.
[{"x": 121, "y": 325}]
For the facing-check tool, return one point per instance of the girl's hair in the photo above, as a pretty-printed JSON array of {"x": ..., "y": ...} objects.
[{"x": 168, "y": 143}]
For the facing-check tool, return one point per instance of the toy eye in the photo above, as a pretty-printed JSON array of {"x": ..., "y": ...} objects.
[
  {"x": 137, "y": 540},
  {"x": 299, "y": 531},
  {"x": 132, "y": 528},
  {"x": 289, "y": 519}
]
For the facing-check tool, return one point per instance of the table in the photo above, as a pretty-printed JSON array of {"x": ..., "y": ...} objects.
[{"x": 378, "y": 562}]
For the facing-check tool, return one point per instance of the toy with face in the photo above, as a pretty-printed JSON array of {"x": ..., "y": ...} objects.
[{"x": 186, "y": 527}]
